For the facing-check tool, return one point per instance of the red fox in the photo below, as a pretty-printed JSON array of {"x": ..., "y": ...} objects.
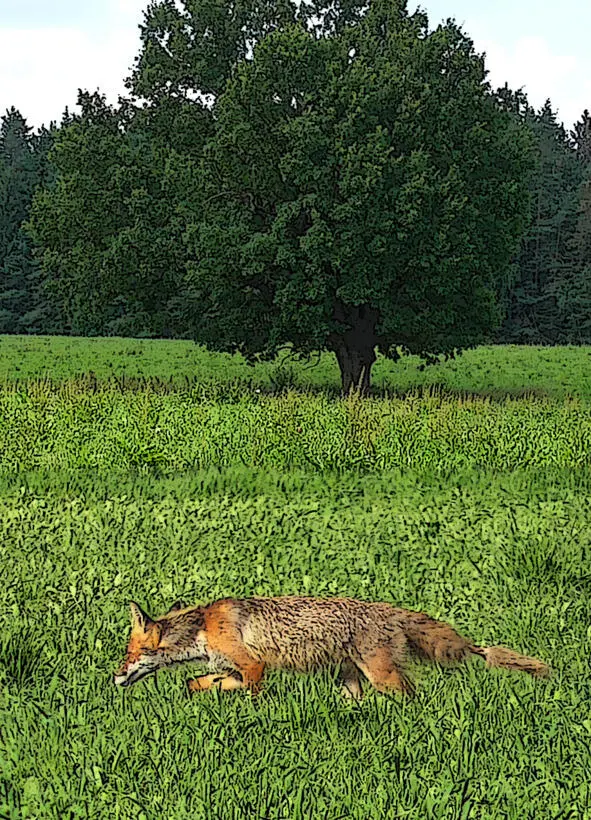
[{"x": 239, "y": 639}]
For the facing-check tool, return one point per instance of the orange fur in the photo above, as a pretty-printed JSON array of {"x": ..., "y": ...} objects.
[{"x": 224, "y": 638}]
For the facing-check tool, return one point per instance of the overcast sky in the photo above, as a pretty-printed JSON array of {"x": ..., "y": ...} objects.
[{"x": 50, "y": 48}]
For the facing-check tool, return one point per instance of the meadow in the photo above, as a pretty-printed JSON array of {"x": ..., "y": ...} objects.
[
  {"x": 486, "y": 371},
  {"x": 466, "y": 497}
]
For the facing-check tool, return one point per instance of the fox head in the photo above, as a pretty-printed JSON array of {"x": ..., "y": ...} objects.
[
  {"x": 156, "y": 643},
  {"x": 142, "y": 656}
]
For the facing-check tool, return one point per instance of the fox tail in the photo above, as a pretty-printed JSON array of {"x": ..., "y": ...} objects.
[
  {"x": 437, "y": 641},
  {"x": 504, "y": 658}
]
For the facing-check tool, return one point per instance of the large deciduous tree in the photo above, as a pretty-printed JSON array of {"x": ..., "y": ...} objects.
[
  {"x": 326, "y": 174},
  {"x": 361, "y": 189}
]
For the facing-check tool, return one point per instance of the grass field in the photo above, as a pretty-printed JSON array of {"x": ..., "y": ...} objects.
[
  {"x": 488, "y": 371},
  {"x": 474, "y": 509}
]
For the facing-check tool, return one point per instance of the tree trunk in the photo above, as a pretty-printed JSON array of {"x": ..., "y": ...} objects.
[
  {"x": 355, "y": 347},
  {"x": 355, "y": 366}
]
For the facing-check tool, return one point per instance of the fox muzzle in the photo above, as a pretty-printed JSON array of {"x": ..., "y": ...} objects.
[{"x": 131, "y": 673}]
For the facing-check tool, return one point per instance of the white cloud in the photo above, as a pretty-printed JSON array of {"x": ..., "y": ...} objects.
[
  {"x": 530, "y": 63},
  {"x": 42, "y": 68}
]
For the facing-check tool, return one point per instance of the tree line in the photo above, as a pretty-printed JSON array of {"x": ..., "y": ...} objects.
[{"x": 325, "y": 175}]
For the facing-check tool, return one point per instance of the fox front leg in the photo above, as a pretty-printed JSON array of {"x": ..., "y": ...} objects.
[
  {"x": 247, "y": 678},
  {"x": 215, "y": 681},
  {"x": 350, "y": 680}
]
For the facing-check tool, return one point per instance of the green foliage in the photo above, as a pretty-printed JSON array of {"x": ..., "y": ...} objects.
[
  {"x": 109, "y": 247},
  {"x": 503, "y": 559},
  {"x": 580, "y": 138},
  {"x": 549, "y": 301},
  {"x": 323, "y": 176},
  {"x": 190, "y": 47},
  {"x": 23, "y": 167}
]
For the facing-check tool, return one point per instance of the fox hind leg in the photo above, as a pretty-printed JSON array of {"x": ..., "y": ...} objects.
[
  {"x": 350, "y": 680},
  {"x": 383, "y": 674}
]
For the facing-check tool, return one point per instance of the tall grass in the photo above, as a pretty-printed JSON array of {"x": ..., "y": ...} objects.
[
  {"x": 69, "y": 426},
  {"x": 152, "y": 471}
]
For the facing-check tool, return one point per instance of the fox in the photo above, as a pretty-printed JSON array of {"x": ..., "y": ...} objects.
[{"x": 241, "y": 638}]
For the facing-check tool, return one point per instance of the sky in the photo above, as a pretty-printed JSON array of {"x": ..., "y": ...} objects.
[{"x": 50, "y": 48}]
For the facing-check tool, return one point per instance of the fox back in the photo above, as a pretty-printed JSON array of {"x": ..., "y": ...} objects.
[{"x": 304, "y": 633}]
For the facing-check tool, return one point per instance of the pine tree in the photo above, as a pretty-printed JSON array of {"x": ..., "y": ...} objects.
[
  {"x": 24, "y": 165},
  {"x": 581, "y": 143},
  {"x": 580, "y": 138},
  {"x": 575, "y": 296},
  {"x": 17, "y": 180}
]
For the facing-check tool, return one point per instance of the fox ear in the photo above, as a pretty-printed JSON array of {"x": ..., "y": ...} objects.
[
  {"x": 153, "y": 635},
  {"x": 139, "y": 619}
]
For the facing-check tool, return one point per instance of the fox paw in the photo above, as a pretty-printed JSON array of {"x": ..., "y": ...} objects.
[
  {"x": 352, "y": 693},
  {"x": 193, "y": 686}
]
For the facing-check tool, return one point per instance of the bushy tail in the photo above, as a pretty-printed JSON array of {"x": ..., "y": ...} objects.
[
  {"x": 501, "y": 657},
  {"x": 437, "y": 641}
]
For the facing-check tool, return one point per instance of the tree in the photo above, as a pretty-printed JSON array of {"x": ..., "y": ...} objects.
[
  {"x": 575, "y": 301},
  {"x": 580, "y": 138},
  {"x": 23, "y": 166},
  {"x": 361, "y": 189},
  {"x": 326, "y": 175},
  {"x": 581, "y": 144},
  {"x": 43, "y": 314},
  {"x": 105, "y": 227}
]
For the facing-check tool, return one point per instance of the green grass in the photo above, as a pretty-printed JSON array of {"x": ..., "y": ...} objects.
[
  {"x": 494, "y": 371},
  {"x": 165, "y": 475},
  {"x": 505, "y": 560}
]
